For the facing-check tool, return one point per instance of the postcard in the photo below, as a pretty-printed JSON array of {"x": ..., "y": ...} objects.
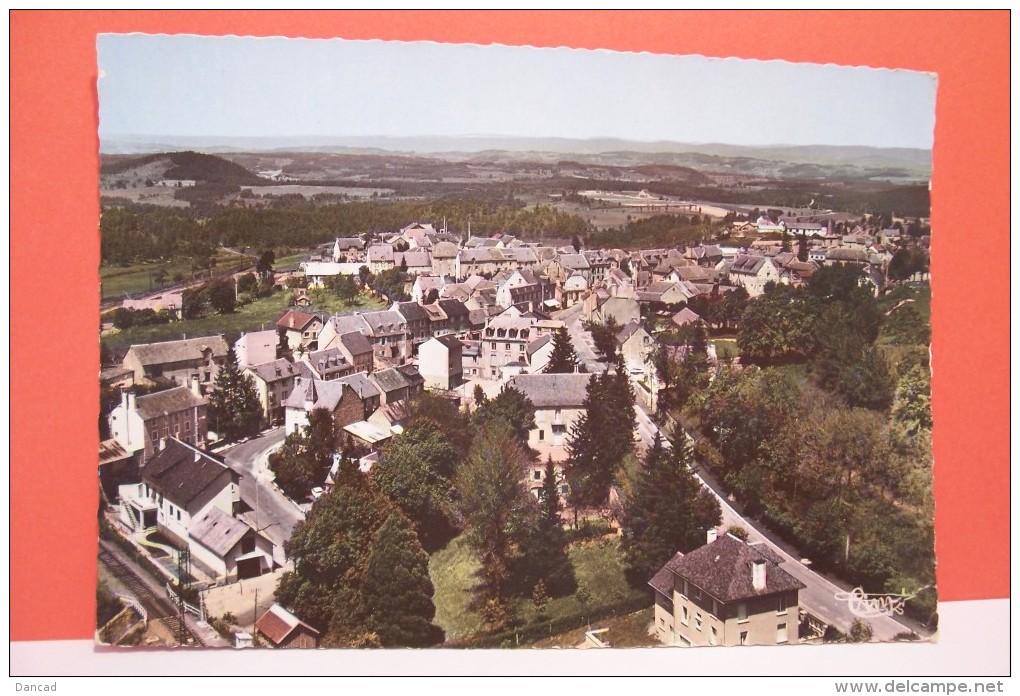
[{"x": 408, "y": 344}]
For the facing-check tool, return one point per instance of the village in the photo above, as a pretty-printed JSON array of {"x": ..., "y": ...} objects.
[{"x": 581, "y": 369}]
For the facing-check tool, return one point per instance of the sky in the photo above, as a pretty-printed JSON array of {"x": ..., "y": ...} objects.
[{"x": 194, "y": 86}]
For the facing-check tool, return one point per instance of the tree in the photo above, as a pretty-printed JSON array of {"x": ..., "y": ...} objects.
[
  {"x": 222, "y": 297},
  {"x": 600, "y": 438},
  {"x": 234, "y": 404},
  {"x": 802, "y": 247},
  {"x": 860, "y": 632},
  {"x": 123, "y": 318},
  {"x": 777, "y": 326},
  {"x": 669, "y": 511},
  {"x": 563, "y": 358},
  {"x": 264, "y": 266},
  {"x": 911, "y": 405},
  {"x": 604, "y": 337},
  {"x": 511, "y": 407},
  {"x": 247, "y": 283},
  {"x": 306, "y": 457},
  {"x": 495, "y": 504},
  {"x": 330, "y": 550},
  {"x": 345, "y": 287},
  {"x": 415, "y": 472},
  {"x": 545, "y": 558},
  {"x": 396, "y": 589}
]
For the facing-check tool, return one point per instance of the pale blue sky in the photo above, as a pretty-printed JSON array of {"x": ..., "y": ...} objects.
[{"x": 276, "y": 87}]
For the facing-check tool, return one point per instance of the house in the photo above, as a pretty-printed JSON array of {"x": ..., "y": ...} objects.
[
  {"x": 318, "y": 272},
  {"x": 685, "y": 316},
  {"x": 539, "y": 353},
  {"x": 663, "y": 292},
  {"x": 140, "y": 423},
  {"x": 274, "y": 381},
  {"x": 636, "y": 346},
  {"x": 397, "y": 383},
  {"x": 300, "y": 329},
  {"x": 727, "y": 592},
  {"x": 380, "y": 258},
  {"x": 559, "y": 401},
  {"x": 571, "y": 290},
  {"x": 328, "y": 364},
  {"x": 256, "y": 348},
  {"x": 177, "y": 361},
  {"x": 347, "y": 248},
  {"x": 195, "y": 496},
  {"x": 416, "y": 321},
  {"x": 752, "y": 273},
  {"x": 444, "y": 259},
  {"x": 441, "y": 363},
  {"x": 505, "y": 340},
  {"x": 620, "y": 309},
  {"x": 348, "y": 400},
  {"x": 424, "y": 285},
  {"x": 284, "y": 630}
]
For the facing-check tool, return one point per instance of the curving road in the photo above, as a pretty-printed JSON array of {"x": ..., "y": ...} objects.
[{"x": 275, "y": 514}]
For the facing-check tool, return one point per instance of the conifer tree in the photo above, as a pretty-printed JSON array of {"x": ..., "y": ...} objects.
[
  {"x": 495, "y": 505},
  {"x": 669, "y": 511},
  {"x": 545, "y": 559},
  {"x": 396, "y": 589},
  {"x": 563, "y": 358},
  {"x": 234, "y": 403}
]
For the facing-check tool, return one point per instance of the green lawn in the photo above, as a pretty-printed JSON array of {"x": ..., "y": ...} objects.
[
  {"x": 919, "y": 292},
  {"x": 630, "y": 631},
  {"x": 726, "y": 348},
  {"x": 260, "y": 314},
  {"x": 453, "y": 571},
  {"x": 598, "y": 567},
  {"x": 118, "y": 280}
]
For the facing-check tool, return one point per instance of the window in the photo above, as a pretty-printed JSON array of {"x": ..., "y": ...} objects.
[
  {"x": 742, "y": 611},
  {"x": 684, "y": 618},
  {"x": 781, "y": 604},
  {"x": 781, "y": 636},
  {"x": 743, "y": 637},
  {"x": 494, "y": 345},
  {"x": 537, "y": 474},
  {"x": 508, "y": 346},
  {"x": 521, "y": 347},
  {"x": 713, "y": 637},
  {"x": 697, "y": 620},
  {"x": 541, "y": 435}
]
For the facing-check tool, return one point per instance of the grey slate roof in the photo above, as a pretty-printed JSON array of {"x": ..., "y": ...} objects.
[
  {"x": 274, "y": 371},
  {"x": 217, "y": 531},
  {"x": 723, "y": 570},
  {"x": 454, "y": 309},
  {"x": 551, "y": 390},
  {"x": 662, "y": 582},
  {"x": 384, "y": 323},
  {"x": 169, "y": 401},
  {"x": 362, "y": 386},
  {"x": 181, "y": 472},
  {"x": 412, "y": 311},
  {"x": 178, "y": 351},
  {"x": 355, "y": 343}
]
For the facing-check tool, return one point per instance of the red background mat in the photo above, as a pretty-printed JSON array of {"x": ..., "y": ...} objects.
[{"x": 54, "y": 215}]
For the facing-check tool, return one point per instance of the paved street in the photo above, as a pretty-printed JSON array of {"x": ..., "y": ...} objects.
[
  {"x": 276, "y": 514},
  {"x": 580, "y": 338}
]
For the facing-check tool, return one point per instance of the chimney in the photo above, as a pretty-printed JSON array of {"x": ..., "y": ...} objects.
[
  {"x": 125, "y": 399},
  {"x": 711, "y": 535},
  {"x": 196, "y": 388},
  {"x": 758, "y": 575},
  {"x": 130, "y": 403}
]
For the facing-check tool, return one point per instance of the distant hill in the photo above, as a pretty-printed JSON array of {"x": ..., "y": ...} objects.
[
  {"x": 784, "y": 161},
  {"x": 203, "y": 168}
]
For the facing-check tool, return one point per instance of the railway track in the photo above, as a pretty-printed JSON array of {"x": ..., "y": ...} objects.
[{"x": 158, "y": 607}]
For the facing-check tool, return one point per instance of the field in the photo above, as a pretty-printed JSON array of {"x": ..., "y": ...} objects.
[
  {"x": 598, "y": 567},
  {"x": 120, "y": 280},
  {"x": 260, "y": 314},
  {"x": 630, "y": 631}
]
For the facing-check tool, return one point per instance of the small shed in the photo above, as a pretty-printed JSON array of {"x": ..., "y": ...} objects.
[{"x": 284, "y": 630}]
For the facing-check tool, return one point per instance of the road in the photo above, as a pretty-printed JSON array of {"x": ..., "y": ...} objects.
[
  {"x": 819, "y": 595},
  {"x": 276, "y": 515},
  {"x": 580, "y": 338}
]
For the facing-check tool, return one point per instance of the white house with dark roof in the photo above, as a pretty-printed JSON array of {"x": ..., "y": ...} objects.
[
  {"x": 440, "y": 362},
  {"x": 753, "y": 273},
  {"x": 559, "y": 401},
  {"x": 300, "y": 328},
  {"x": 727, "y": 592}
]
